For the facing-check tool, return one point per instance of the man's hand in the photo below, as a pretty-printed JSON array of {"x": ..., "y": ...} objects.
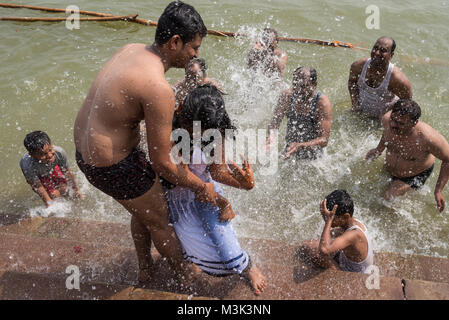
[
  {"x": 207, "y": 194},
  {"x": 440, "y": 201},
  {"x": 372, "y": 155},
  {"x": 226, "y": 213},
  {"x": 326, "y": 214},
  {"x": 292, "y": 148}
]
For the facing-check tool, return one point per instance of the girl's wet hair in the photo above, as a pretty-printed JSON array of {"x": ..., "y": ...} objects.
[{"x": 205, "y": 103}]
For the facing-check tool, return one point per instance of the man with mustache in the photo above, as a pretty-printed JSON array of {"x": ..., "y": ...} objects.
[
  {"x": 375, "y": 84},
  {"x": 412, "y": 146}
]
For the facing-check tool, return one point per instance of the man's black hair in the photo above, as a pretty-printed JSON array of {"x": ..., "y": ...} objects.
[
  {"x": 180, "y": 19},
  {"x": 35, "y": 141},
  {"x": 343, "y": 200},
  {"x": 313, "y": 76},
  {"x": 205, "y": 103},
  {"x": 407, "y": 107}
]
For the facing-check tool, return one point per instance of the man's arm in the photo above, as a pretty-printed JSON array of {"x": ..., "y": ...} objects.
[
  {"x": 158, "y": 104},
  {"x": 400, "y": 85},
  {"x": 324, "y": 118},
  {"x": 280, "y": 110},
  {"x": 281, "y": 62},
  {"x": 439, "y": 147},
  {"x": 353, "y": 87}
]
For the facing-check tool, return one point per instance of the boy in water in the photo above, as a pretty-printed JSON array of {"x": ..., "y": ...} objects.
[
  {"x": 46, "y": 168},
  {"x": 351, "y": 250}
]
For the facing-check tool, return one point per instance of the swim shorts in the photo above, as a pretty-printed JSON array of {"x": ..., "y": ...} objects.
[
  {"x": 417, "y": 181},
  {"x": 54, "y": 180},
  {"x": 127, "y": 179}
]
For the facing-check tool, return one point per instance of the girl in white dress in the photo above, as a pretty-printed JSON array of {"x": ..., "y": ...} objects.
[{"x": 204, "y": 230}]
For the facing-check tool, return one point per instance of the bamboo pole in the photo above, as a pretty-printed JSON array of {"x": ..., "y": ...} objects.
[
  {"x": 152, "y": 23},
  {"x": 57, "y": 19},
  {"x": 212, "y": 32},
  {"x": 89, "y": 13}
]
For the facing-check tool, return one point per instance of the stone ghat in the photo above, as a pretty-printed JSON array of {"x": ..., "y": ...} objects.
[{"x": 35, "y": 253}]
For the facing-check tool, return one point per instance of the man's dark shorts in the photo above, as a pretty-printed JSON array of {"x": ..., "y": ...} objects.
[
  {"x": 127, "y": 179},
  {"x": 417, "y": 181}
]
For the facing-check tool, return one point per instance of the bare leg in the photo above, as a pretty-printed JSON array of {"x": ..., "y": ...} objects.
[
  {"x": 256, "y": 278},
  {"x": 396, "y": 189},
  {"x": 142, "y": 241},
  {"x": 151, "y": 210}
]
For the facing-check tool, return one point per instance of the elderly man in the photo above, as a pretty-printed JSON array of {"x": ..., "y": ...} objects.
[
  {"x": 266, "y": 56},
  {"x": 412, "y": 146},
  {"x": 195, "y": 75},
  {"x": 131, "y": 87},
  {"x": 309, "y": 116},
  {"x": 375, "y": 84}
]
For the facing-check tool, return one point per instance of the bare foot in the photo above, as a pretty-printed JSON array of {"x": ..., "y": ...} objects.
[
  {"x": 257, "y": 279},
  {"x": 144, "y": 277}
]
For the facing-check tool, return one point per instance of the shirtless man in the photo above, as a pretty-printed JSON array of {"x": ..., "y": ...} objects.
[
  {"x": 195, "y": 77},
  {"x": 266, "y": 55},
  {"x": 309, "y": 116},
  {"x": 132, "y": 87},
  {"x": 375, "y": 84},
  {"x": 412, "y": 146}
]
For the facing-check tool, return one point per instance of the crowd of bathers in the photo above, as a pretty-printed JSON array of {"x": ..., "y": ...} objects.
[{"x": 163, "y": 196}]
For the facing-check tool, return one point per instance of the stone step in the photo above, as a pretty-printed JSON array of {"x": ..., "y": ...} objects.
[
  {"x": 117, "y": 266},
  {"x": 118, "y": 234},
  {"x": 35, "y": 286},
  {"x": 104, "y": 253}
]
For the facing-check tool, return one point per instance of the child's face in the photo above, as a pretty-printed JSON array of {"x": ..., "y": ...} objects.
[{"x": 46, "y": 155}]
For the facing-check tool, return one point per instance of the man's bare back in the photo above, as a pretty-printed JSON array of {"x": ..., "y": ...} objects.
[{"x": 107, "y": 126}]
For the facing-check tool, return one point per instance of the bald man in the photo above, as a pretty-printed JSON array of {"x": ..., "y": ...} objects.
[{"x": 375, "y": 84}]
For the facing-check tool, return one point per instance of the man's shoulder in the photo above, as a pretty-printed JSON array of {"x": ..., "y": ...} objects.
[
  {"x": 398, "y": 76},
  {"x": 357, "y": 65},
  {"x": 426, "y": 131}
]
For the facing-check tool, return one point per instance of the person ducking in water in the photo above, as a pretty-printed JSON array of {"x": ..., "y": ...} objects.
[{"x": 351, "y": 249}]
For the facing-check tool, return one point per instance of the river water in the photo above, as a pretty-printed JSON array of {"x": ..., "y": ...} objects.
[{"x": 47, "y": 69}]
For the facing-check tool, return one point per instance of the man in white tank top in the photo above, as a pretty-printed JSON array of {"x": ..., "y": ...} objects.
[{"x": 375, "y": 84}]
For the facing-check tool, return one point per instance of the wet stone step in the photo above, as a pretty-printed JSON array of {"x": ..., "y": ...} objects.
[
  {"x": 33, "y": 286},
  {"x": 95, "y": 234}
]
